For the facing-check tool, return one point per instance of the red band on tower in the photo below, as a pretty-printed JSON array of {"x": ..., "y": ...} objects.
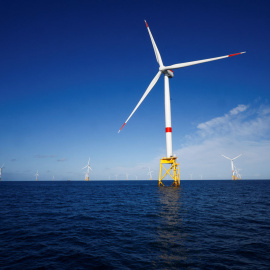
[{"x": 168, "y": 129}]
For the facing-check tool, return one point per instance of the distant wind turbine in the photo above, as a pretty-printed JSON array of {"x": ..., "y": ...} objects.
[
  {"x": 150, "y": 173},
  {"x": 127, "y": 175},
  {"x": 87, "y": 171},
  {"x": 1, "y": 171},
  {"x": 232, "y": 159},
  {"x": 36, "y": 175},
  {"x": 167, "y": 71},
  {"x": 238, "y": 175}
]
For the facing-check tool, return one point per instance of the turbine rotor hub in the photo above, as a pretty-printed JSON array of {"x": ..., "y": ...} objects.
[{"x": 168, "y": 72}]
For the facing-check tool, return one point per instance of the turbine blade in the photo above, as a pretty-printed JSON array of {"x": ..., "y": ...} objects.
[
  {"x": 84, "y": 167},
  {"x": 237, "y": 157},
  {"x": 149, "y": 88},
  {"x": 158, "y": 57},
  {"x": 181, "y": 65},
  {"x": 226, "y": 157}
]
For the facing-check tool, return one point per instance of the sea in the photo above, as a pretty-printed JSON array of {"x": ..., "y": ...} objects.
[{"x": 134, "y": 225}]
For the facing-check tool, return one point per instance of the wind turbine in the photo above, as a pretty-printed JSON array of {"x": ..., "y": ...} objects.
[
  {"x": 127, "y": 175},
  {"x": 87, "y": 172},
  {"x": 36, "y": 175},
  {"x": 1, "y": 171},
  {"x": 238, "y": 175},
  {"x": 168, "y": 73},
  {"x": 232, "y": 159},
  {"x": 150, "y": 173}
]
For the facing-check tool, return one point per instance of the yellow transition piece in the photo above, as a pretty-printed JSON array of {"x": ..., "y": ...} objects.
[{"x": 173, "y": 171}]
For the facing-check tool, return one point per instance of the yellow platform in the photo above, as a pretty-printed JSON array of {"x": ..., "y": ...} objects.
[{"x": 173, "y": 171}]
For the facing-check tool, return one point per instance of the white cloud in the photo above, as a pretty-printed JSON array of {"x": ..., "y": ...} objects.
[
  {"x": 44, "y": 156},
  {"x": 238, "y": 109},
  {"x": 253, "y": 124},
  {"x": 242, "y": 130},
  {"x": 61, "y": 159}
]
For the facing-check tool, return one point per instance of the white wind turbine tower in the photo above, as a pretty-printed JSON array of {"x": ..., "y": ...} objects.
[
  {"x": 150, "y": 173},
  {"x": 168, "y": 73},
  {"x": 127, "y": 175},
  {"x": 87, "y": 172},
  {"x": 36, "y": 175},
  {"x": 232, "y": 159},
  {"x": 1, "y": 171}
]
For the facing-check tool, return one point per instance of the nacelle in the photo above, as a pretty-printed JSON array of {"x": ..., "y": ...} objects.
[{"x": 168, "y": 73}]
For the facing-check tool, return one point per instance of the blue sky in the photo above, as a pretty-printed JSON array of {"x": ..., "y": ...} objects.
[{"x": 71, "y": 72}]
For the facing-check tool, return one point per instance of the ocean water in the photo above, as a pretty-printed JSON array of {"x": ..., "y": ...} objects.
[{"x": 135, "y": 225}]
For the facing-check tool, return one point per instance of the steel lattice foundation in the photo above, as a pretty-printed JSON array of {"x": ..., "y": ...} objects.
[{"x": 173, "y": 171}]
